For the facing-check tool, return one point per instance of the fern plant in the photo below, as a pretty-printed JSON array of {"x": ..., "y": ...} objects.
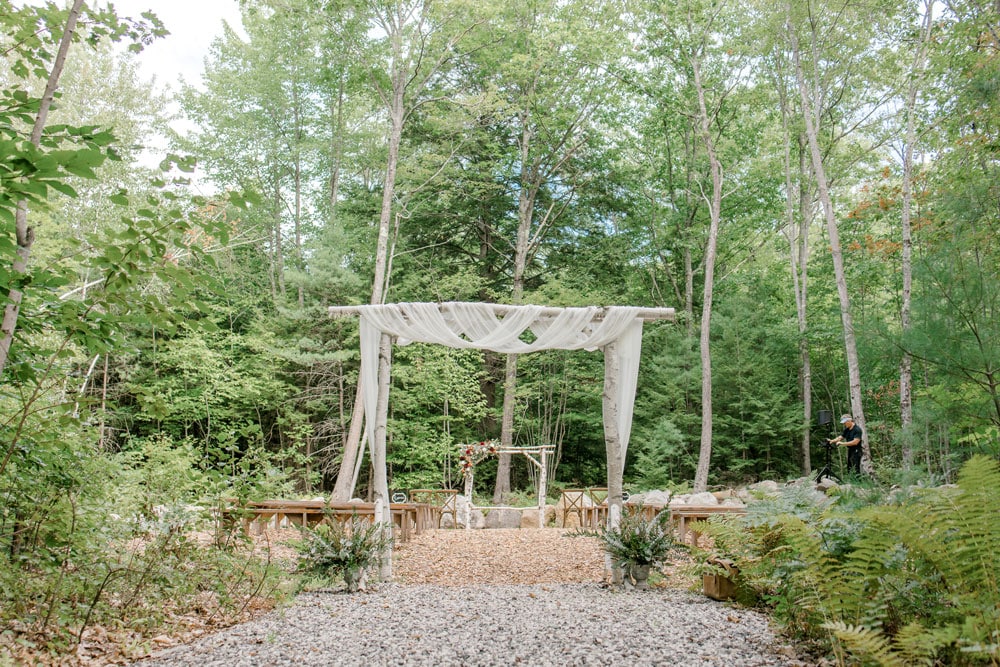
[
  {"x": 636, "y": 540},
  {"x": 347, "y": 549},
  {"x": 922, "y": 579},
  {"x": 913, "y": 582},
  {"x": 636, "y": 544}
]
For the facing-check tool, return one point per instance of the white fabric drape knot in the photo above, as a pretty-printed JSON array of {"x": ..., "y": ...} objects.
[{"x": 478, "y": 326}]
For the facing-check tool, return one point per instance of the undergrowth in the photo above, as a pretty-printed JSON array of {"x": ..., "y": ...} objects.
[
  {"x": 101, "y": 553},
  {"x": 878, "y": 577}
]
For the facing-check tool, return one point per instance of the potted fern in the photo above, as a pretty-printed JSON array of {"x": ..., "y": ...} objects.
[
  {"x": 345, "y": 549},
  {"x": 637, "y": 544}
]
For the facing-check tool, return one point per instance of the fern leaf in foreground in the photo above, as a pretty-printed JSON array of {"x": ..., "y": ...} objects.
[{"x": 866, "y": 642}]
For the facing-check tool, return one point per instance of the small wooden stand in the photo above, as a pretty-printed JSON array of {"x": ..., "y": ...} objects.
[{"x": 721, "y": 586}]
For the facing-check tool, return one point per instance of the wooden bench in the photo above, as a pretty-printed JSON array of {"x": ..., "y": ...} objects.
[
  {"x": 407, "y": 518},
  {"x": 683, "y": 515}
]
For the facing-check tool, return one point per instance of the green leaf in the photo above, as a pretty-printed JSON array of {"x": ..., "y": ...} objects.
[{"x": 63, "y": 188}]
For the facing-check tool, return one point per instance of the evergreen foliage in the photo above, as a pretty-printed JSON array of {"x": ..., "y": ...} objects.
[{"x": 173, "y": 349}]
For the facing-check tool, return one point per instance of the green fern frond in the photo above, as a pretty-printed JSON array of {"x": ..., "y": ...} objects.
[
  {"x": 918, "y": 645},
  {"x": 866, "y": 642}
]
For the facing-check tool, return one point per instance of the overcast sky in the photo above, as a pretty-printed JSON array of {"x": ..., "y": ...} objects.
[{"x": 193, "y": 24}]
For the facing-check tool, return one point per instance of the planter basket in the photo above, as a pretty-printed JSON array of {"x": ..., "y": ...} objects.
[{"x": 721, "y": 586}]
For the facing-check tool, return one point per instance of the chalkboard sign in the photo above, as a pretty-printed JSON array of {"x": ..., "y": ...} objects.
[
  {"x": 624, "y": 496},
  {"x": 399, "y": 497}
]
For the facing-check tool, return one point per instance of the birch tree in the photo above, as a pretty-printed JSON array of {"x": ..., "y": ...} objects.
[
  {"x": 550, "y": 83},
  {"x": 916, "y": 76},
  {"x": 420, "y": 41},
  {"x": 24, "y": 235},
  {"x": 687, "y": 40},
  {"x": 811, "y": 31},
  {"x": 799, "y": 217},
  {"x": 37, "y": 40}
]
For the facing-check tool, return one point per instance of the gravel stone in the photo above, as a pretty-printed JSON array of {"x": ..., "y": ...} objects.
[{"x": 539, "y": 625}]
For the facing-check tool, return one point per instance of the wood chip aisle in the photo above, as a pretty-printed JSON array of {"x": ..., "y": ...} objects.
[{"x": 495, "y": 556}]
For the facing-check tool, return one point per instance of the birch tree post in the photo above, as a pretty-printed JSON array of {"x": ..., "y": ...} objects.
[
  {"x": 25, "y": 235},
  {"x": 383, "y": 514},
  {"x": 612, "y": 445}
]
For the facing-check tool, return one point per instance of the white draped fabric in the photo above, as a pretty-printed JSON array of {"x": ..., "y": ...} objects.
[{"x": 477, "y": 325}]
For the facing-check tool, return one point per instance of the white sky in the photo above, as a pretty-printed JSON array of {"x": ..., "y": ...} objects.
[{"x": 193, "y": 24}]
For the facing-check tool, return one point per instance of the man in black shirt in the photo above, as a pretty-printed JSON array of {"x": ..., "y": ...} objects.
[{"x": 850, "y": 438}]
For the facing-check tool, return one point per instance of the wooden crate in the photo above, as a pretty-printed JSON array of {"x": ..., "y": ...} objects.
[{"x": 721, "y": 586}]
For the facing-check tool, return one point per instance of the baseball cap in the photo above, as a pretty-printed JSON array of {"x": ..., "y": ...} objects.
[{"x": 846, "y": 418}]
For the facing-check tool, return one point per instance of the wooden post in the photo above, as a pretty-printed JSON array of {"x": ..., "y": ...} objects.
[
  {"x": 380, "y": 482},
  {"x": 542, "y": 479},
  {"x": 612, "y": 445},
  {"x": 467, "y": 510}
]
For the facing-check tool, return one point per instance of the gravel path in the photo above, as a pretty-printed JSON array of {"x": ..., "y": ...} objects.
[
  {"x": 538, "y": 625},
  {"x": 494, "y": 597}
]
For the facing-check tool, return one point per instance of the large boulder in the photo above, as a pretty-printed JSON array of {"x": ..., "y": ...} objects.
[
  {"x": 529, "y": 517},
  {"x": 476, "y": 517},
  {"x": 766, "y": 487},
  {"x": 825, "y": 484},
  {"x": 700, "y": 499},
  {"x": 656, "y": 498},
  {"x": 503, "y": 517}
]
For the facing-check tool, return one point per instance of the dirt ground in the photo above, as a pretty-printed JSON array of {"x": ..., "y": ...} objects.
[
  {"x": 496, "y": 556},
  {"x": 457, "y": 557}
]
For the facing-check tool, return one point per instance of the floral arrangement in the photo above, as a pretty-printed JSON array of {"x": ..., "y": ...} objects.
[{"x": 476, "y": 452}]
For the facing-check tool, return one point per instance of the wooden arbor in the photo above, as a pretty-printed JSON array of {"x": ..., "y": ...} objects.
[
  {"x": 472, "y": 454},
  {"x": 616, "y": 330}
]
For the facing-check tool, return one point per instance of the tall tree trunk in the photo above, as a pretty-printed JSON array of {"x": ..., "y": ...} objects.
[
  {"x": 799, "y": 254},
  {"x": 806, "y": 215},
  {"x": 797, "y": 233},
  {"x": 525, "y": 212},
  {"x": 822, "y": 187},
  {"x": 337, "y": 146},
  {"x": 491, "y": 360},
  {"x": 906, "y": 363},
  {"x": 501, "y": 487},
  {"x": 344, "y": 485},
  {"x": 25, "y": 235},
  {"x": 297, "y": 152},
  {"x": 277, "y": 255},
  {"x": 715, "y": 209}
]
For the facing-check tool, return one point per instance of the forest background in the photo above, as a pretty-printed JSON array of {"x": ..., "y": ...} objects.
[
  {"x": 812, "y": 185},
  {"x": 701, "y": 157}
]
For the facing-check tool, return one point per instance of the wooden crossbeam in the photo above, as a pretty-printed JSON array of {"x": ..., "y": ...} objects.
[{"x": 645, "y": 314}]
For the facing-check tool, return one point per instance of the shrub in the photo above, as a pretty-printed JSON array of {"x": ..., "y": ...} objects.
[
  {"x": 914, "y": 582},
  {"x": 346, "y": 549}
]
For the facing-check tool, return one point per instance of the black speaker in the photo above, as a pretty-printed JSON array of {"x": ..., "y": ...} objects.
[{"x": 824, "y": 417}]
